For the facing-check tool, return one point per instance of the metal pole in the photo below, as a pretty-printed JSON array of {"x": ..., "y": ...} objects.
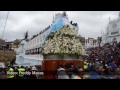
[{"x": 5, "y": 24}]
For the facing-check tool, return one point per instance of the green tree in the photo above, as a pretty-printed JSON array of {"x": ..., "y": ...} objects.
[
  {"x": 26, "y": 35},
  {"x": 17, "y": 42},
  {"x": 13, "y": 61},
  {"x": 82, "y": 40}
]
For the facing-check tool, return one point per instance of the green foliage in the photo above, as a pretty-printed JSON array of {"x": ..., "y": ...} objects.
[
  {"x": 17, "y": 42},
  {"x": 26, "y": 35}
]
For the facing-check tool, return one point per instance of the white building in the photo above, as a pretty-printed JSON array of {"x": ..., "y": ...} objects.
[
  {"x": 112, "y": 32},
  {"x": 90, "y": 42},
  {"x": 29, "y": 52}
]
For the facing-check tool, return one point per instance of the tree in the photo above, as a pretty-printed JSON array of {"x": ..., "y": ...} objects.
[
  {"x": 12, "y": 61},
  {"x": 17, "y": 42},
  {"x": 26, "y": 35},
  {"x": 99, "y": 40},
  {"x": 82, "y": 40}
]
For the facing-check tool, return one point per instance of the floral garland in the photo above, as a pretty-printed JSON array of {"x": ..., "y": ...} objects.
[{"x": 64, "y": 41}]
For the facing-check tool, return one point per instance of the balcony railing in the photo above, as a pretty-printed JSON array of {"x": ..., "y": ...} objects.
[{"x": 35, "y": 57}]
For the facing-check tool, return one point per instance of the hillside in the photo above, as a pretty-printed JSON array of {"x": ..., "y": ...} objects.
[{"x": 7, "y": 56}]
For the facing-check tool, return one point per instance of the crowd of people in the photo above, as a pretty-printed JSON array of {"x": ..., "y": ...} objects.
[
  {"x": 100, "y": 63},
  {"x": 107, "y": 57},
  {"x": 21, "y": 72},
  {"x": 41, "y": 32},
  {"x": 97, "y": 70}
]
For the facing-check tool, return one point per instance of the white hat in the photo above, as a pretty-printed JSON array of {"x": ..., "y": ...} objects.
[
  {"x": 34, "y": 68},
  {"x": 60, "y": 69}
]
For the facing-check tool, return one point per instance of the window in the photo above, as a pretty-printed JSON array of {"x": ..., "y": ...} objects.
[
  {"x": 38, "y": 51},
  {"x": 114, "y": 33},
  {"x": 114, "y": 39},
  {"x": 35, "y": 51},
  {"x": 29, "y": 52},
  {"x": 35, "y": 41},
  {"x": 26, "y": 52},
  {"x": 32, "y": 51}
]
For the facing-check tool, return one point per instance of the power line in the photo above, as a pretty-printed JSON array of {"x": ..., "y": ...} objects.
[{"x": 5, "y": 25}]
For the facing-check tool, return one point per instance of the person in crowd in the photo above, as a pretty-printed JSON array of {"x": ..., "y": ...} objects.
[
  {"x": 85, "y": 65},
  {"x": 61, "y": 73},
  {"x": 10, "y": 73},
  {"x": 34, "y": 70},
  {"x": 89, "y": 66},
  {"x": 3, "y": 74},
  {"x": 112, "y": 66},
  {"x": 28, "y": 76},
  {"x": 16, "y": 76},
  {"x": 21, "y": 71},
  {"x": 76, "y": 73},
  {"x": 94, "y": 74}
]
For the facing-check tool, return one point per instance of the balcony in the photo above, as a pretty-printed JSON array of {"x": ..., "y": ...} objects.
[{"x": 35, "y": 57}]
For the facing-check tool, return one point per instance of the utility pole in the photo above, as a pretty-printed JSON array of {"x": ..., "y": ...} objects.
[{"x": 5, "y": 25}]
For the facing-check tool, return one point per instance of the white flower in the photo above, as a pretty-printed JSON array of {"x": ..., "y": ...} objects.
[{"x": 60, "y": 43}]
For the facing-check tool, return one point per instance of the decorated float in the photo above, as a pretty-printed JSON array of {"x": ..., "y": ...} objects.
[{"x": 62, "y": 46}]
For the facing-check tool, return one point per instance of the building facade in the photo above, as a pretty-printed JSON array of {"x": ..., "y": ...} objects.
[
  {"x": 30, "y": 51},
  {"x": 112, "y": 34},
  {"x": 2, "y": 44},
  {"x": 90, "y": 43},
  {"x": 7, "y": 46}
]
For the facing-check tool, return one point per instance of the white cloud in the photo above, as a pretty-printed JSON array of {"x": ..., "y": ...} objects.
[{"x": 90, "y": 22}]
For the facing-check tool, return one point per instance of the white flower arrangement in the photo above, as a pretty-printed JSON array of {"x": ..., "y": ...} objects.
[{"x": 65, "y": 40}]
